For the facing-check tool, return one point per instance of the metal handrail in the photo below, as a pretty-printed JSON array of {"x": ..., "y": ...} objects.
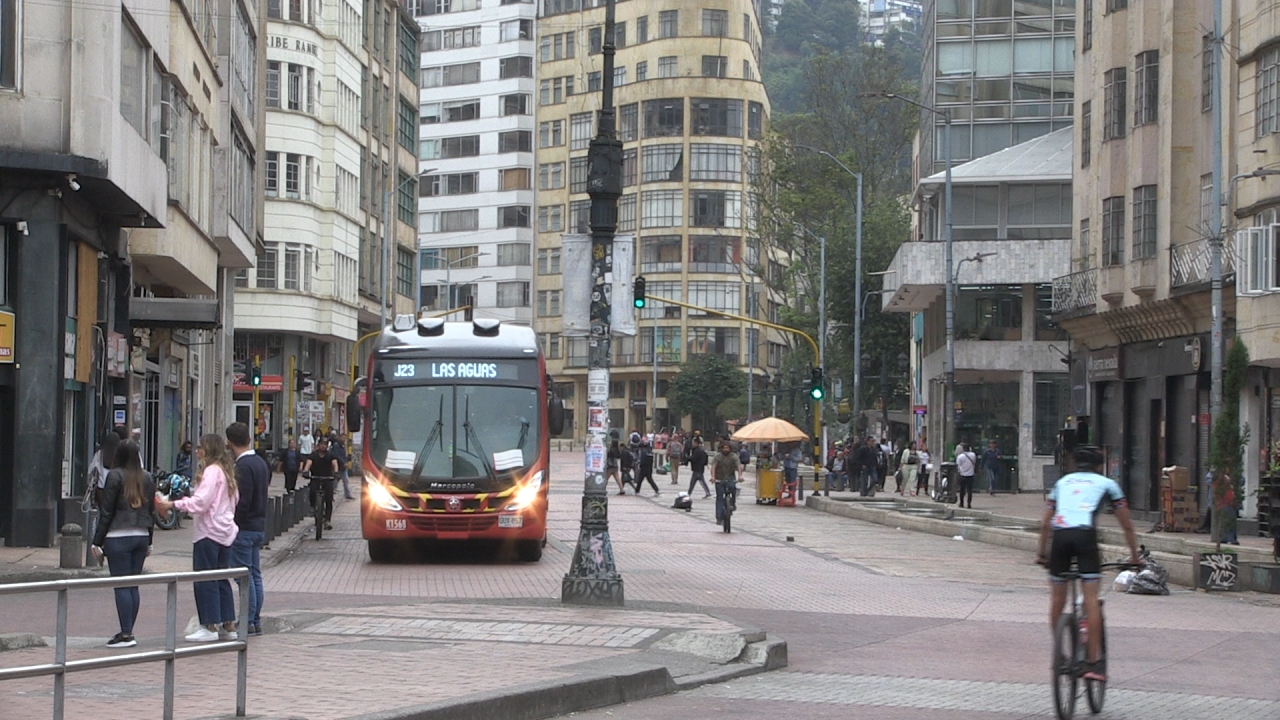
[{"x": 61, "y": 666}]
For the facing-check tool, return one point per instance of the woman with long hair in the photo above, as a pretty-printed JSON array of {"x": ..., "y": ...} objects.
[
  {"x": 123, "y": 535},
  {"x": 213, "y": 506}
]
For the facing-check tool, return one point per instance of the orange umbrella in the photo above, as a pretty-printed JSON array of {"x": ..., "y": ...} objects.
[{"x": 769, "y": 429}]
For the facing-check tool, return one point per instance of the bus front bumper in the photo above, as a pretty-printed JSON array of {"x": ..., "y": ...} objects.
[{"x": 381, "y": 524}]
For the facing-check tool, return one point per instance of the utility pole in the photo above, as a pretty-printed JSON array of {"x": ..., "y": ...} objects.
[
  {"x": 257, "y": 409},
  {"x": 593, "y": 577},
  {"x": 1216, "y": 228}
]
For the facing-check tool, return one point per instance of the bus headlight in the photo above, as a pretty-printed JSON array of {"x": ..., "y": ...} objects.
[
  {"x": 527, "y": 493},
  {"x": 381, "y": 497}
]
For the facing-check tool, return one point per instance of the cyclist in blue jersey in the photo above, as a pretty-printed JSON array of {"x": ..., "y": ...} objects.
[{"x": 1072, "y": 506}]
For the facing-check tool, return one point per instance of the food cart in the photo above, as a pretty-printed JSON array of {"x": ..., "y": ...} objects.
[{"x": 770, "y": 488}]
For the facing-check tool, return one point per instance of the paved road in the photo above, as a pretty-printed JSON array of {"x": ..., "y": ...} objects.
[{"x": 880, "y": 623}]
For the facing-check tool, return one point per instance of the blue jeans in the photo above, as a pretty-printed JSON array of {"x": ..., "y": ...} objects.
[
  {"x": 868, "y": 480},
  {"x": 125, "y": 556},
  {"x": 789, "y": 473},
  {"x": 722, "y": 489},
  {"x": 215, "y": 602},
  {"x": 245, "y": 551}
]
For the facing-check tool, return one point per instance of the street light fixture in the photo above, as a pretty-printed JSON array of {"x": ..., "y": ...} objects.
[
  {"x": 948, "y": 415},
  {"x": 448, "y": 275}
]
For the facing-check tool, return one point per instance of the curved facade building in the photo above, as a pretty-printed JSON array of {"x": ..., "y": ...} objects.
[{"x": 691, "y": 109}]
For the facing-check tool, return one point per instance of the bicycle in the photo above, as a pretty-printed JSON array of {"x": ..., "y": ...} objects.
[
  {"x": 730, "y": 504},
  {"x": 1070, "y": 650},
  {"x": 318, "y": 495}
]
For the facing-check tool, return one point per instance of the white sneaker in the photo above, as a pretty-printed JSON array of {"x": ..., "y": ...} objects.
[
  {"x": 227, "y": 634},
  {"x": 202, "y": 635}
]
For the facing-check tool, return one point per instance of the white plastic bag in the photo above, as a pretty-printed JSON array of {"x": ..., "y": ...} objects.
[{"x": 1124, "y": 580}]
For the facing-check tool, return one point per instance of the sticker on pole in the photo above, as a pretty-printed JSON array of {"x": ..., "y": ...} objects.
[
  {"x": 596, "y": 418},
  {"x": 595, "y": 458}
]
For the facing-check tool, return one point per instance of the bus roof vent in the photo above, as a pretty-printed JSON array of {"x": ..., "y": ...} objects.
[
  {"x": 431, "y": 326},
  {"x": 485, "y": 327},
  {"x": 402, "y": 323}
]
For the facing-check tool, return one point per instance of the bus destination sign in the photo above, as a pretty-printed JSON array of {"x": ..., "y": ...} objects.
[{"x": 452, "y": 370}]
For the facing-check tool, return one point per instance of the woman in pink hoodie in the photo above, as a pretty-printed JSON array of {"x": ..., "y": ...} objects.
[{"x": 213, "y": 506}]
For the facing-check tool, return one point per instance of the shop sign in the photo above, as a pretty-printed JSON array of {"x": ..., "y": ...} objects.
[
  {"x": 286, "y": 43},
  {"x": 7, "y": 322},
  {"x": 921, "y": 409},
  {"x": 1103, "y": 365}
]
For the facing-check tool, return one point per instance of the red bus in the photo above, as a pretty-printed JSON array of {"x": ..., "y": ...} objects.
[{"x": 458, "y": 418}]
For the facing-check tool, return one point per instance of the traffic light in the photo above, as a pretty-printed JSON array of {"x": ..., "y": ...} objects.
[
  {"x": 638, "y": 291},
  {"x": 300, "y": 380},
  {"x": 816, "y": 390},
  {"x": 255, "y": 375}
]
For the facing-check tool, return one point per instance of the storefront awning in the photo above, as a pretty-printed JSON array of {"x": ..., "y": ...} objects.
[{"x": 194, "y": 313}]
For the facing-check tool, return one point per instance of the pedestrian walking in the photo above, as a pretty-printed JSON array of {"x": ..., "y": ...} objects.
[
  {"x": 338, "y": 449},
  {"x": 727, "y": 473},
  {"x": 909, "y": 466},
  {"x": 644, "y": 467},
  {"x": 698, "y": 467},
  {"x": 290, "y": 465},
  {"x": 252, "y": 478},
  {"x": 213, "y": 506},
  {"x": 125, "y": 527},
  {"x": 627, "y": 464},
  {"x": 306, "y": 444},
  {"x": 675, "y": 456},
  {"x": 884, "y": 457},
  {"x": 992, "y": 463},
  {"x": 966, "y": 467},
  {"x": 613, "y": 465},
  {"x": 924, "y": 473},
  {"x": 867, "y": 458}
]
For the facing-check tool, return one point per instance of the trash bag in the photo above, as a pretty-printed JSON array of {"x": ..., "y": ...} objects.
[
  {"x": 683, "y": 502},
  {"x": 1124, "y": 581},
  {"x": 1152, "y": 579}
]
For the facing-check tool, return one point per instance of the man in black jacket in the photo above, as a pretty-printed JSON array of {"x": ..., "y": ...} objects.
[
  {"x": 252, "y": 477},
  {"x": 698, "y": 467},
  {"x": 867, "y": 457}
]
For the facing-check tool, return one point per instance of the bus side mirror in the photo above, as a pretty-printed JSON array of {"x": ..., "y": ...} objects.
[
  {"x": 555, "y": 416},
  {"x": 355, "y": 413}
]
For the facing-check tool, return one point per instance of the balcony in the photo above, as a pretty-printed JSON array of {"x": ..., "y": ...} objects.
[
  {"x": 1189, "y": 262},
  {"x": 1075, "y": 292}
]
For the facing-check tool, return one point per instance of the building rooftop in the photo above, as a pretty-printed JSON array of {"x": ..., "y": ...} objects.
[{"x": 1044, "y": 159}]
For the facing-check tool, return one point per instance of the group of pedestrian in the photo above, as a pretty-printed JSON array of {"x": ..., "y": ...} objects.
[
  {"x": 229, "y": 507},
  {"x": 631, "y": 464}
]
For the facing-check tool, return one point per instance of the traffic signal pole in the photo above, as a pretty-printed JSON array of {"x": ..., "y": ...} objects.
[
  {"x": 817, "y": 401},
  {"x": 256, "y": 379}
]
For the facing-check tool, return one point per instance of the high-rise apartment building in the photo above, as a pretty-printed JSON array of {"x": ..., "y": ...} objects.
[
  {"x": 476, "y": 150},
  {"x": 691, "y": 109},
  {"x": 341, "y": 207},
  {"x": 878, "y": 17},
  {"x": 129, "y": 188}
]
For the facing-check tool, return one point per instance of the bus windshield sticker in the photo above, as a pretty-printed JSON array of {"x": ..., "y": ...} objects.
[
  {"x": 400, "y": 460},
  {"x": 508, "y": 459}
]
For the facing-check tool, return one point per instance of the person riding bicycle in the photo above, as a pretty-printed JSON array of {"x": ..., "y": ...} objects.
[
  {"x": 727, "y": 473},
  {"x": 323, "y": 468},
  {"x": 1072, "y": 506}
]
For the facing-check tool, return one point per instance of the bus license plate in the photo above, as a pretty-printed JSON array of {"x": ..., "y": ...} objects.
[
  {"x": 397, "y": 524},
  {"x": 510, "y": 521}
]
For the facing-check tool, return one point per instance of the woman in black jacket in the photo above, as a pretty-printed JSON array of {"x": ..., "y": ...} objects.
[{"x": 124, "y": 531}]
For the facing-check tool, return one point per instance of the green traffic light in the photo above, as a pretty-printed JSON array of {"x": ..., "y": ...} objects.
[
  {"x": 816, "y": 393},
  {"x": 639, "y": 302}
]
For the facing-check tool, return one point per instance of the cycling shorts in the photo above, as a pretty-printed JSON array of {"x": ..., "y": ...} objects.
[{"x": 1080, "y": 544}]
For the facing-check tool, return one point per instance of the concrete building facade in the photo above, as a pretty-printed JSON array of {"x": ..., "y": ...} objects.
[
  {"x": 878, "y": 17},
  {"x": 339, "y": 182},
  {"x": 691, "y": 110},
  {"x": 476, "y": 148}
]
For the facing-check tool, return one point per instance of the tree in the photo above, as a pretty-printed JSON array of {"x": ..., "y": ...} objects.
[
  {"x": 1226, "y": 457},
  {"x": 703, "y": 383}
]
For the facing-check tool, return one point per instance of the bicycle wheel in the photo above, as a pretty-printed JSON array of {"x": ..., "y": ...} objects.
[
  {"x": 728, "y": 510},
  {"x": 318, "y": 510},
  {"x": 1066, "y": 643},
  {"x": 1096, "y": 691}
]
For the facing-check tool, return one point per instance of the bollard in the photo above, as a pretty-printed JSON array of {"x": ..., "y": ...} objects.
[{"x": 71, "y": 546}]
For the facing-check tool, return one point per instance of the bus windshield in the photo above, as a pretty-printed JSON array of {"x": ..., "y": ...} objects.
[{"x": 425, "y": 433}]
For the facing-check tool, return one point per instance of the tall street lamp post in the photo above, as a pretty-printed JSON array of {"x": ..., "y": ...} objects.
[
  {"x": 948, "y": 409},
  {"x": 387, "y": 222},
  {"x": 448, "y": 276}
]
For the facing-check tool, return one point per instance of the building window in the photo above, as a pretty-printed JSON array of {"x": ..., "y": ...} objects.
[
  {"x": 755, "y": 120},
  {"x": 549, "y": 261},
  {"x": 406, "y": 129},
  {"x": 552, "y": 347},
  {"x": 578, "y": 175},
  {"x": 548, "y": 303},
  {"x": 629, "y": 122},
  {"x": 553, "y": 91},
  {"x": 715, "y": 116},
  {"x": 713, "y": 253},
  {"x": 1144, "y": 222},
  {"x": 1113, "y": 104},
  {"x": 292, "y": 261},
  {"x": 1146, "y": 87},
  {"x": 715, "y": 23},
  {"x": 9, "y": 43},
  {"x": 1207, "y": 60},
  {"x": 1206, "y": 205},
  {"x": 551, "y": 176},
  {"x": 266, "y": 275},
  {"x": 404, "y": 272},
  {"x": 515, "y": 178},
  {"x": 451, "y": 184},
  {"x": 447, "y": 112},
  {"x": 440, "y": 7},
  {"x": 1268, "y": 92},
  {"x": 642, "y": 29},
  {"x": 715, "y": 341},
  {"x": 746, "y": 71},
  {"x": 451, "y": 221},
  {"x": 669, "y": 23},
  {"x": 642, "y": 71},
  {"x": 595, "y": 40},
  {"x": 1113, "y": 5},
  {"x": 513, "y": 294},
  {"x": 454, "y": 39},
  {"x": 594, "y": 81},
  {"x": 408, "y": 51},
  {"x": 513, "y": 216},
  {"x": 579, "y": 131},
  {"x": 580, "y": 216},
  {"x": 663, "y": 163},
  {"x": 517, "y": 104},
  {"x": 620, "y": 76},
  {"x": 520, "y": 66},
  {"x": 407, "y": 206},
  {"x": 627, "y": 213},
  {"x": 669, "y": 66},
  {"x": 515, "y": 141},
  {"x": 550, "y": 218},
  {"x": 664, "y": 118},
  {"x": 273, "y": 84},
  {"x": 551, "y": 134},
  {"x": 629, "y": 167},
  {"x": 715, "y": 66},
  {"x": 271, "y": 174},
  {"x": 293, "y": 176},
  {"x": 242, "y": 278},
  {"x": 135, "y": 76},
  {"x": 1086, "y": 21},
  {"x": 1051, "y": 395},
  {"x": 1113, "y": 231},
  {"x": 515, "y": 30},
  {"x": 1084, "y": 255},
  {"x": 715, "y": 162},
  {"x": 448, "y": 75},
  {"x": 668, "y": 345},
  {"x": 1086, "y": 133},
  {"x": 661, "y": 253},
  {"x": 661, "y": 208}
]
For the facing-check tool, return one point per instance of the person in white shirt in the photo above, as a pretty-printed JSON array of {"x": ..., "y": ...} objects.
[
  {"x": 306, "y": 444},
  {"x": 966, "y": 467}
]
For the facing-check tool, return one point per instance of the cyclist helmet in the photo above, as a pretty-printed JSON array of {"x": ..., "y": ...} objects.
[{"x": 1089, "y": 456}]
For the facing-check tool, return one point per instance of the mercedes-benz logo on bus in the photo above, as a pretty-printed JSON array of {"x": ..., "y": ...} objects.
[{"x": 454, "y": 504}]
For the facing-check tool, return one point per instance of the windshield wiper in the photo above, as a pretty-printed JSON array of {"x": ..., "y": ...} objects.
[
  {"x": 473, "y": 435},
  {"x": 427, "y": 447},
  {"x": 524, "y": 433}
]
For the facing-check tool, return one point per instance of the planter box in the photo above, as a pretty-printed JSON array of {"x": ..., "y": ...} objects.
[
  {"x": 1216, "y": 571},
  {"x": 1265, "y": 578}
]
